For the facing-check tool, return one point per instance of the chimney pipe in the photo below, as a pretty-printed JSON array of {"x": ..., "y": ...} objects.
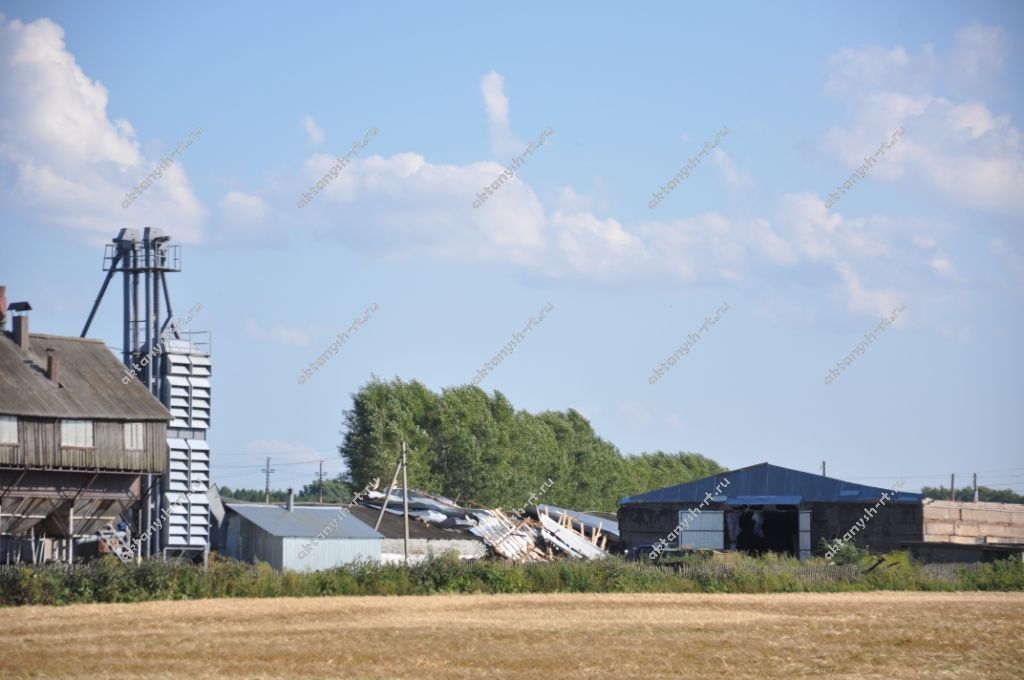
[
  {"x": 3, "y": 308},
  {"x": 53, "y": 366},
  {"x": 21, "y": 331},
  {"x": 291, "y": 500}
]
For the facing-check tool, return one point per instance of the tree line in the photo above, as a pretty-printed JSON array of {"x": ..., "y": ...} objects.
[
  {"x": 476, "y": 447},
  {"x": 335, "y": 491},
  {"x": 985, "y": 494}
]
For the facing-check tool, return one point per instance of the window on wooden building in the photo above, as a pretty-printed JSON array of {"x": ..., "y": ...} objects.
[
  {"x": 76, "y": 433},
  {"x": 133, "y": 439},
  {"x": 8, "y": 429}
]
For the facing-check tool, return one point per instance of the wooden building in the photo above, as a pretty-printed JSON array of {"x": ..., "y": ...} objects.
[{"x": 78, "y": 443}]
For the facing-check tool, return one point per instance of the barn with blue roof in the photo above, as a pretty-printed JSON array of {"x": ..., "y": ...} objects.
[{"x": 768, "y": 508}]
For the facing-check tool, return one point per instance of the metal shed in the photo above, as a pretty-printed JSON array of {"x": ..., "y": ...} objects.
[
  {"x": 424, "y": 539},
  {"x": 282, "y": 538}
]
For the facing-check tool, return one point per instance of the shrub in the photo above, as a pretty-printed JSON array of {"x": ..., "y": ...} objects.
[
  {"x": 848, "y": 553},
  {"x": 107, "y": 580}
]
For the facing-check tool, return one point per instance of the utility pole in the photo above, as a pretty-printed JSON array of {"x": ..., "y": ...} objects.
[
  {"x": 387, "y": 496},
  {"x": 320, "y": 476},
  {"x": 268, "y": 470},
  {"x": 405, "y": 499},
  {"x": 952, "y": 487},
  {"x": 975, "y": 487}
]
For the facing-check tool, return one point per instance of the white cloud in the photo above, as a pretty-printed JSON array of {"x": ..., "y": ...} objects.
[
  {"x": 851, "y": 71},
  {"x": 245, "y": 216},
  {"x": 1012, "y": 259},
  {"x": 282, "y": 335},
  {"x": 944, "y": 266},
  {"x": 567, "y": 199},
  {"x": 424, "y": 209},
  {"x": 979, "y": 52},
  {"x": 71, "y": 165},
  {"x": 595, "y": 247},
  {"x": 822, "y": 235},
  {"x": 419, "y": 208},
  {"x": 492, "y": 89},
  {"x": 313, "y": 131},
  {"x": 244, "y": 208},
  {"x": 954, "y": 143},
  {"x": 735, "y": 178},
  {"x": 865, "y": 300}
]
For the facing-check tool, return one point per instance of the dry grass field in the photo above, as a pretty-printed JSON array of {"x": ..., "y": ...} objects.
[{"x": 849, "y": 635}]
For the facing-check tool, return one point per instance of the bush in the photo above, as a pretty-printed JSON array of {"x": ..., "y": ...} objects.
[
  {"x": 107, "y": 580},
  {"x": 847, "y": 553},
  {"x": 1005, "y": 574}
]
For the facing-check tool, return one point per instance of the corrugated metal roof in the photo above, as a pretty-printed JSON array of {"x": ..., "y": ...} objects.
[
  {"x": 90, "y": 377},
  {"x": 591, "y": 520},
  {"x": 766, "y": 479},
  {"x": 303, "y": 522},
  {"x": 393, "y": 526},
  {"x": 765, "y": 500}
]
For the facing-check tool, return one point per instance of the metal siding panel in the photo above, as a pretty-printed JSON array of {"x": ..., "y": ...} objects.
[
  {"x": 805, "y": 520},
  {"x": 805, "y": 534},
  {"x": 329, "y": 554},
  {"x": 705, "y": 521},
  {"x": 706, "y": 531}
]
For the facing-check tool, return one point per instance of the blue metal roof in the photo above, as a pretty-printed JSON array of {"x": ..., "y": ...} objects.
[
  {"x": 764, "y": 500},
  {"x": 303, "y": 522},
  {"x": 766, "y": 479}
]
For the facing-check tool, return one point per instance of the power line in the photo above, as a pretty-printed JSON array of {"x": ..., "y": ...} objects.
[
  {"x": 269, "y": 471},
  {"x": 303, "y": 451},
  {"x": 942, "y": 475},
  {"x": 320, "y": 480},
  {"x": 251, "y": 465}
]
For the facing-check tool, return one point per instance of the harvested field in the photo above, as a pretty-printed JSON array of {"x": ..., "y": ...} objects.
[{"x": 852, "y": 635}]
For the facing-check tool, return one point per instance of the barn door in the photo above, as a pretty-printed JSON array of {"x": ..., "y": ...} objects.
[{"x": 706, "y": 531}]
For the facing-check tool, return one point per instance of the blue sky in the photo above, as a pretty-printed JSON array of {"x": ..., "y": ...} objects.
[{"x": 92, "y": 96}]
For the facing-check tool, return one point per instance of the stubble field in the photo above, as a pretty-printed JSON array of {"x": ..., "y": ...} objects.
[{"x": 845, "y": 635}]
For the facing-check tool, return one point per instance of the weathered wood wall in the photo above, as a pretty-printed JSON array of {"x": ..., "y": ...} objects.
[{"x": 39, "y": 447}]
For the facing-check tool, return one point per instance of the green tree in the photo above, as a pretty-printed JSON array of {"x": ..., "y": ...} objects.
[
  {"x": 253, "y": 495},
  {"x": 383, "y": 414},
  {"x": 476, "y": 447},
  {"x": 335, "y": 491}
]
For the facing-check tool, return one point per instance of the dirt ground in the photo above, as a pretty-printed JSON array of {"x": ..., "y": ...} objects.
[{"x": 849, "y": 635}]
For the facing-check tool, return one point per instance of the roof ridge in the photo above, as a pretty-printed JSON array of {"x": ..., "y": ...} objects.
[{"x": 53, "y": 336}]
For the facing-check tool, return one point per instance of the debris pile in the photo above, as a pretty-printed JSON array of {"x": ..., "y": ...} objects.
[
  {"x": 539, "y": 538},
  {"x": 544, "y": 534}
]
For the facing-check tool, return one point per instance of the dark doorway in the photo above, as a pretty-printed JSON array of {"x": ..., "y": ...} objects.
[{"x": 766, "y": 530}]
